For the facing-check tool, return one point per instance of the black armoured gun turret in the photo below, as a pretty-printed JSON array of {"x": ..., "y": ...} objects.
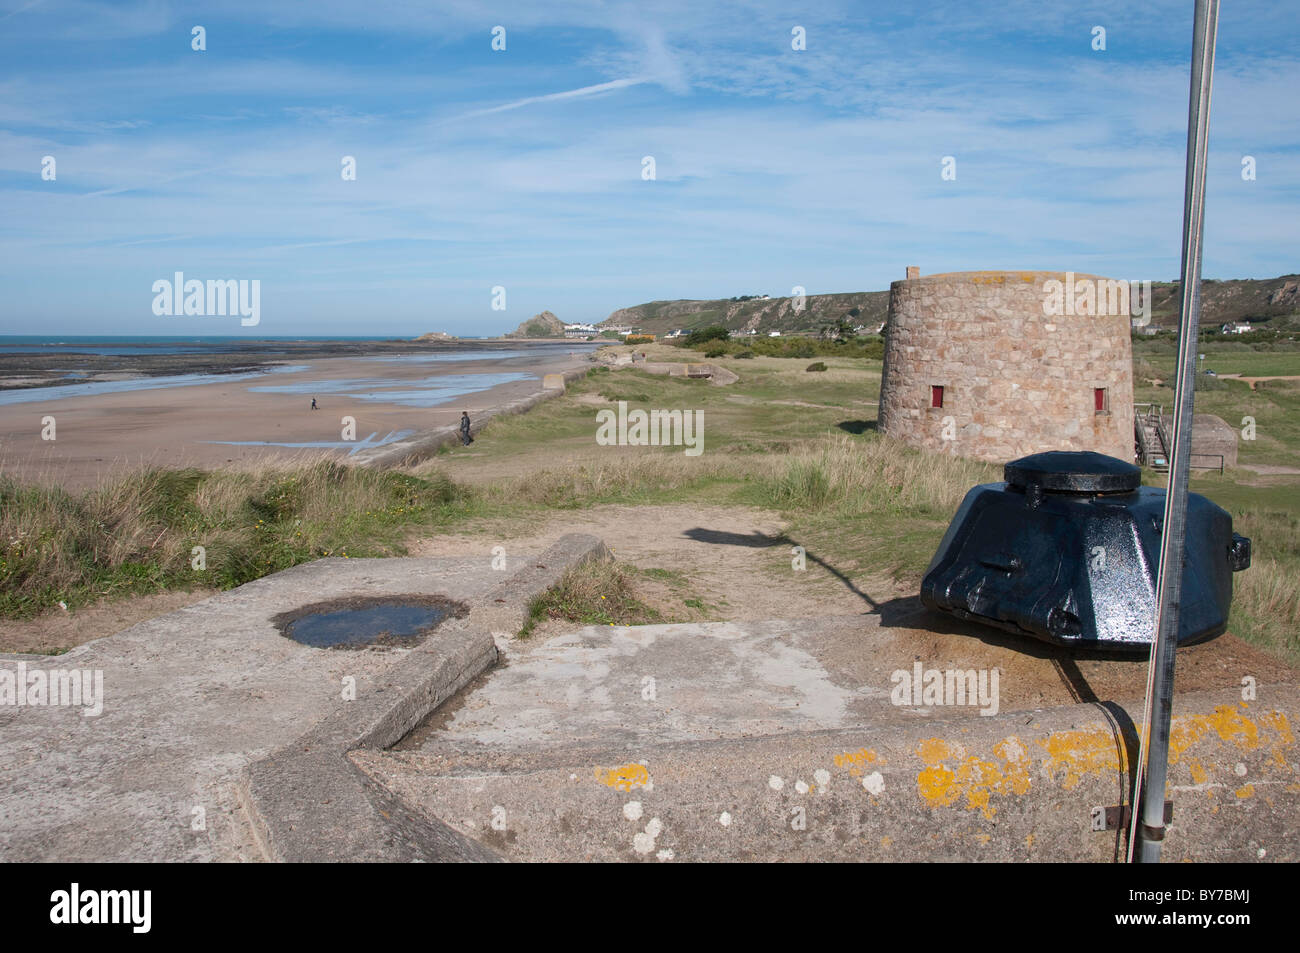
[{"x": 1067, "y": 549}]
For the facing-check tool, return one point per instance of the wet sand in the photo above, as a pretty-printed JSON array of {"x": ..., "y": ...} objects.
[{"x": 98, "y": 435}]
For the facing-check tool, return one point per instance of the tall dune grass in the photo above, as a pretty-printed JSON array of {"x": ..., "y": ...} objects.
[
  {"x": 138, "y": 532},
  {"x": 1266, "y": 597},
  {"x": 851, "y": 477}
]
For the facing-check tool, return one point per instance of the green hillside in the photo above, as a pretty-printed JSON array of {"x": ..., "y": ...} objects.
[
  {"x": 1274, "y": 302},
  {"x": 761, "y": 314}
]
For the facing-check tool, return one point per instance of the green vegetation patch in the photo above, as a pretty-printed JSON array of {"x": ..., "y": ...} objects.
[{"x": 597, "y": 592}]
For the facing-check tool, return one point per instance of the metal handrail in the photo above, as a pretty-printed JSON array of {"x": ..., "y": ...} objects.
[{"x": 1222, "y": 462}]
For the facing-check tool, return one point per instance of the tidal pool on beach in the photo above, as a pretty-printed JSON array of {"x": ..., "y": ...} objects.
[{"x": 426, "y": 392}]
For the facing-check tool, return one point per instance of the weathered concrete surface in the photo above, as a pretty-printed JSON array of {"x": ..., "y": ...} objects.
[
  {"x": 504, "y": 610},
  {"x": 307, "y": 803},
  {"x": 704, "y": 681},
  {"x": 425, "y": 444},
  {"x": 538, "y": 758},
  {"x": 643, "y": 684},
  {"x": 716, "y": 374},
  {"x": 1020, "y": 786},
  {"x": 191, "y": 699},
  {"x": 1212, "y": 437}
]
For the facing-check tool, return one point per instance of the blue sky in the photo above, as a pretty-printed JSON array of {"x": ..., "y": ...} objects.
[{"x": 523, "y": 168}]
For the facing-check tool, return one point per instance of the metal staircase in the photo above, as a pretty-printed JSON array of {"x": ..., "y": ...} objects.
[{"x": 1151, "y": 442}]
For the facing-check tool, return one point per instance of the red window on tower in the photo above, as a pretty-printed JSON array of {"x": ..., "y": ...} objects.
[
  {"x": 1099, "y": 400},
  {"x": 936, "y": 395}
]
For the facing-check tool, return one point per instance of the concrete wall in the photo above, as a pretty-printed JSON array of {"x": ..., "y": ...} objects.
[
  {"x": 1016, "y": 380},
  {"x": 1211, "y": 437}
]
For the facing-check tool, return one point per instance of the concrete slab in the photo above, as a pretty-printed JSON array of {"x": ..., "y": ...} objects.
[
  {"x": 191, "y": 699},
  {"x": 308, "y": 803},
  {"x": 702, "y": 681}
]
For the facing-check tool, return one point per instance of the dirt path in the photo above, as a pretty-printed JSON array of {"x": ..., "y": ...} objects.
[
  {"x": 1252, "y": 381},
  {"x": 730, "y": 560}
]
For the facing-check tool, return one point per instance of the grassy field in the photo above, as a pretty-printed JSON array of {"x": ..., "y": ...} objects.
[
  {"x": 1273, "y": 405},
  {"x": 1252, "y": 355},
  {"x": 799, "y": 444}
]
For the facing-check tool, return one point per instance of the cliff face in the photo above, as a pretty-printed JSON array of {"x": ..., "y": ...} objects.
[
  {"x": 1225, "y": 302},
  {"x": 544, "y": 325}
]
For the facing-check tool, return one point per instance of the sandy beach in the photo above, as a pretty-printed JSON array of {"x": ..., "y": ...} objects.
[{"x": 237, "y": 419}]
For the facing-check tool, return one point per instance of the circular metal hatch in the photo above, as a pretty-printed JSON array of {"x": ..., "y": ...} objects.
[{"x": 1071, "y": 471}]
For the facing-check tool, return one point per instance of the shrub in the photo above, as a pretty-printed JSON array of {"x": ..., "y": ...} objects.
[
  {"x": 715, "y": 332},
  {"x": 816, "y": 366},
  {"x": 640, "y": 339},
  {"x": 714, "y": 350}
]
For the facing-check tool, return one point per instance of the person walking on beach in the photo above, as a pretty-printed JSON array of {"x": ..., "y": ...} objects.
[
  {"x": 464, "y": 428},
  {"x": 313, "y": 404}
]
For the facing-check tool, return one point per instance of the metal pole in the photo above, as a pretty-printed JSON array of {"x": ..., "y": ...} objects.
[{"x": 1148, "y": 835}]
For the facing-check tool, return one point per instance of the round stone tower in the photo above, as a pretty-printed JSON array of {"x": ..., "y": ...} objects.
[{"x": 1000, "y": 364}]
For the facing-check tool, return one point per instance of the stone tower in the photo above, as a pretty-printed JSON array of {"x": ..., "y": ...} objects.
[{"x": 1000, "y": 364}]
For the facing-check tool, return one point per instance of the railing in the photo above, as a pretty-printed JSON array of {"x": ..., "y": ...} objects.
[
  {"x": 1208, "y": 466},
  {"x": 1149, "y": 429},
  {"x": 1151, "y": 415},
  {"x": 1165, "y": 441}
]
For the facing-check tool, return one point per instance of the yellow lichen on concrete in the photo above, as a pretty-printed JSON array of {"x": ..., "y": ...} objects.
[
  {"x": 626, "y": 778},
  {"x": 1234, "y": 725},
  {"x": 1276, "y": 720},
  {"x": 936, "y": 785},
  {"x": 951, "y": 775},
  {"x": 936, "y": 749},
  {"x": 1073, "y": 754},
  {"x": 856, "y": 761},
  {"x": 973, "y": 778}
]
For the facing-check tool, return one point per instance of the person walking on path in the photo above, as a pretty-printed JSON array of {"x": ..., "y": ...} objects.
[{"x": 465, "y": 438}]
